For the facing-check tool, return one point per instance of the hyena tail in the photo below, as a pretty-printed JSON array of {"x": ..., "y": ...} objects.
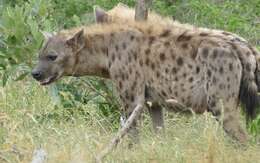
[
  {"x": 248, "y": 98},
  {"x": 249, "y": 88}
]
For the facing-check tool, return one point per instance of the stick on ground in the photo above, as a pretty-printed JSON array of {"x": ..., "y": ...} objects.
[{"x": 120, "y": 134}]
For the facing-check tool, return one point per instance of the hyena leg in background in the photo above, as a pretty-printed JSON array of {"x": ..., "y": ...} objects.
[
  {"x": 226, "y": 111},
  {"x": 155, "y": 109},
  {"x": 156, "y": 114}
]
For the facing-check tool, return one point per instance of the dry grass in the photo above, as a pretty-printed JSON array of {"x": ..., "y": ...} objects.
[{"x": 187, "y": 139}]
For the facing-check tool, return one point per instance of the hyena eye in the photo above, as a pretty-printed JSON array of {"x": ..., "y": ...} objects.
[{"x": 52, "y": 57}]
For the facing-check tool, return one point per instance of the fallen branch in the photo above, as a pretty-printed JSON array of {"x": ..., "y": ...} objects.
[{"x": 136, "y": 112}]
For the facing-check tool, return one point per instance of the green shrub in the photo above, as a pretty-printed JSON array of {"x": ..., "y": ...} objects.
[{"x": 21, "y": 38}]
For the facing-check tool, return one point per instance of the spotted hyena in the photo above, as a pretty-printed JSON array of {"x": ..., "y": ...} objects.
[
  {"x": 155, "y": 60},
  {"x": 248, "y": 55}
]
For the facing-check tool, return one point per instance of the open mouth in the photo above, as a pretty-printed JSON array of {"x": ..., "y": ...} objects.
[{"x": 49, "y": 80}]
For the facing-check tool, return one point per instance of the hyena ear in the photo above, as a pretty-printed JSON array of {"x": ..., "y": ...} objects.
[
  {"x": 100, "y": 15},
  {"x": 77, "y": 40}
]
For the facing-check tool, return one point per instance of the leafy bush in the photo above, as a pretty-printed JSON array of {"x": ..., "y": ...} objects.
[{"x": 21, "y": 38}]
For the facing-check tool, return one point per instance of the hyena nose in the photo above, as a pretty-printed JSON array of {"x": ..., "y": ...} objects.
[{"x": 37, "y": 74}]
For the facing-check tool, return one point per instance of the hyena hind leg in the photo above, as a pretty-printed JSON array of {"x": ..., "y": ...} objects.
[{"x": 227, "y": 113}]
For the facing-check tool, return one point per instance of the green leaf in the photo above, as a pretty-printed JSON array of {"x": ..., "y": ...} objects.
[
  {"x": 22, "y": 76},
  {"x": 5, "y": 78}
]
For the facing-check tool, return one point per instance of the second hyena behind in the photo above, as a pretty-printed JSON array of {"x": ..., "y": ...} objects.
[
  {"x": 248, "y": 55},
  {"x": 200, "y": 72}
]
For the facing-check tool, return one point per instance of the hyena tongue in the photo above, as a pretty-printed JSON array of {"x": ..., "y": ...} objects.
[{"x": 48, "y": 80}]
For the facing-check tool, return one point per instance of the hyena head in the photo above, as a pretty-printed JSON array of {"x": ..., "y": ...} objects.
[{"x": 57, "y": 57}]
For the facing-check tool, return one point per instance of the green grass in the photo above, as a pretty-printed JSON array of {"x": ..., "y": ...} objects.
[
  {"x": 25, "y": 128},
  {"x": 77, "y": 126}
]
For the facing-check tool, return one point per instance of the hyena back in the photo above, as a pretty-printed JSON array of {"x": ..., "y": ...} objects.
[{"x": 248, "y": 55}]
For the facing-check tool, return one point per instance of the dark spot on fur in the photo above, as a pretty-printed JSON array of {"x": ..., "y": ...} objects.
[
  {"x": 147, "y": 61},
  {"x": 215, "y": 54},
  {"x": 190, "y": 66},
  {"x": 197, "y": 70},
  {"x": 151, "y": 40},
  {"x": 132, "y": 98},
  {"x": 174, "y": 70},
  {"x": 157, "y": 74},
  {"x": 147, "y": 51},
  {"x": 184, "y": 75},
  {"x": 162, "y": 56},
  {"x": 135, "y": 55},
  {"x": 167, "y": 44},
  {"x": 228, "y": 79},
  {"x": 180, "y": 61},
  {"x": 184, "y": 45},
  {"x": 123, "y": 77},
  {"x": 132, "y": 37},
  {"x": 166, "y": 70},
  {"x": 209, "y": 73},
  {"x": 191, "y": 79},
  {"x": 113, "y": 57},
  {"x": 165, "y": 33},
  {"x": 120, "y": 85},
  {"x": 141, "y": 62},
  {"x": 176, "y": 94},
  {"x": 153, "y": 66},
  {"x": 129, "y": 58},
  {"x": 205, "y": 52},
  {"x": 203, "y": 34},
  {"x": 228, "y": 87},
  {"x": 221, "y": 70},
  {"x": 116, "y": 47},
  {"x": 184, "y": 37},
  {"x": 164, "y": 94}
]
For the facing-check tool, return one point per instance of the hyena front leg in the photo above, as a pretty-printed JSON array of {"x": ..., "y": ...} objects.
[
  {"x": 131, "y": 94},
  {"x": 225, "y": 110}
]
